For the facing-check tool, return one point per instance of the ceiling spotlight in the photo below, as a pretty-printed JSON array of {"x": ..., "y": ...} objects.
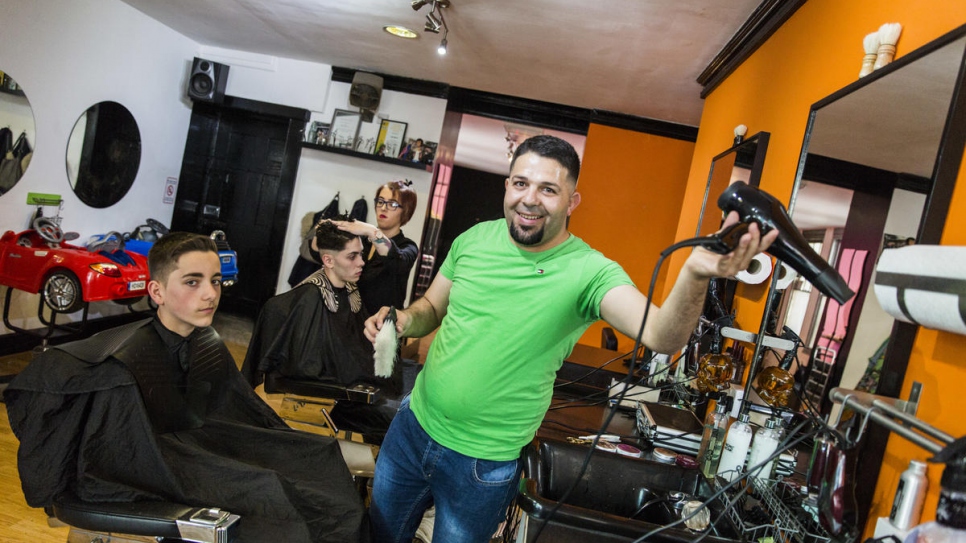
[
  {"x": 442, "y": 47},
  {"x": 418, "y": 4},
  {"x": 400, "y": 31},
  {"x": 433, "y": 24}
]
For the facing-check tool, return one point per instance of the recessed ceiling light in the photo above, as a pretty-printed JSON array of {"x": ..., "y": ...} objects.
[{"x": 400, "y": 31}]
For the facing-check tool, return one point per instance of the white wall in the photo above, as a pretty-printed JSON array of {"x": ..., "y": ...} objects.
[
  {"x": 70, "y": 55},
  {"x": 274, "y": 80},
  {"x": 322, "y": 174}
]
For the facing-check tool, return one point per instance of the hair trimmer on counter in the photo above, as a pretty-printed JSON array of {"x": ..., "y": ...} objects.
[{"x": 754, "y": 205}]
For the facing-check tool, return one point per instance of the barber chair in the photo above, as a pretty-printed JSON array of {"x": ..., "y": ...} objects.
[{"x": 142, "y": 522}]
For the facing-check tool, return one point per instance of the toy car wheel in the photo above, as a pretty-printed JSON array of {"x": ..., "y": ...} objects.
[
  {"x": 62, "y": 292},
  {"x": 49, "y": 230}
]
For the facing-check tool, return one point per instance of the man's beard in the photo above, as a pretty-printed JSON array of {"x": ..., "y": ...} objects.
[{"x": 528, "y": 238}]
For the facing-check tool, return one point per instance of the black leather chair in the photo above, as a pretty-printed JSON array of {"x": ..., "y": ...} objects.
[{"x": 148, "y": 521}]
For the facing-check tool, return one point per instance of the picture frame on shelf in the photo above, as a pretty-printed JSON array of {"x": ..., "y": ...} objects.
[
  {"x": 391, "y": 138},
  {"x": 344, "y": 128},
  {"x": 429, "y": 153},
  {"x": 318, "y": 133}
]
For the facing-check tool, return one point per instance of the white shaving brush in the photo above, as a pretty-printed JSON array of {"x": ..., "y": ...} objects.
[
  {"x": 385, "y": 347},
  {"x": 871, "y": 45},
  {"x": 888, "y": 36}
]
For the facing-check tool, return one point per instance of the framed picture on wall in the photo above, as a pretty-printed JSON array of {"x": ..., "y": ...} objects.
[
  {"x": 344, "y": 128},
  {"x": 392, "y": 134}
]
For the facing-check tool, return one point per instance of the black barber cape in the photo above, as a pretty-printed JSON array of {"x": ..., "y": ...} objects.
[
  {"x": 297, "y": 336},
  {"x": 116, "y": 418}
]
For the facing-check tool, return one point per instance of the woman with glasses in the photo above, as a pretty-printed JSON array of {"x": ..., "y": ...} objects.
[{"x": 389, "y": 254}]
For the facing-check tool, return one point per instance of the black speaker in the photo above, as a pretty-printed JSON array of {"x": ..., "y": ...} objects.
[{"x": 208, "y": 81}]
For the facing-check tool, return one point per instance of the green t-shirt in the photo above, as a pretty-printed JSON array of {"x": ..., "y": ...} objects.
[{"x": 513, "y": 317}]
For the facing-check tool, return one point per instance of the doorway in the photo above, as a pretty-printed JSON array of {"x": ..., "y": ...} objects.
[{"x": 238, "y": 175}]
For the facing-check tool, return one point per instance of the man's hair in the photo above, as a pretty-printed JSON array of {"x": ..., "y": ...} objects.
[
  {"x": 164, "y": 254},
  {"x": 402, "y": 192},
  {"x": 550, "y": 147},
  {"x": 329, "y": 238}
]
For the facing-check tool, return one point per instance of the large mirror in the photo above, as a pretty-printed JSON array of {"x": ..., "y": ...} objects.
[
  {"x": 103, "y": 154},
  {"x": 742, "y": 162},
  {"x": 886, "y": 151},
  {"x": 16, "y": 132}
]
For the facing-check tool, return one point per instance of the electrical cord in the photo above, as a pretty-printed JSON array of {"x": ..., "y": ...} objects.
[{"x": 630, "y": 373}]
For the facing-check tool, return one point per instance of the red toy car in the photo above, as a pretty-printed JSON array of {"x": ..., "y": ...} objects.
[{"x": 68, "y": 275}]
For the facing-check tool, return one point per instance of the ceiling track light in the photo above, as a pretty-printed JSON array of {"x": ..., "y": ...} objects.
[
  {"x": 433, "y": 23},
  {"x": 442, "y": 47},
  {"x": 416, "y": 4}
]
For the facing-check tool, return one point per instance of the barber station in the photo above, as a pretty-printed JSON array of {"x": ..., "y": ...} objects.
[{"x": 437, "y": 270}]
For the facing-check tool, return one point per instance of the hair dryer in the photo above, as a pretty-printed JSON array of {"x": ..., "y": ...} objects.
[{"x": 791, "y": 248}]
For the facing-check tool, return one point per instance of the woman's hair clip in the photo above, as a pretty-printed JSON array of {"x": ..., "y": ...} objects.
[{"x": 407, "y": 182}]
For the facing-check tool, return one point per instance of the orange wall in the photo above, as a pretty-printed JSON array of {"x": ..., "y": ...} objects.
[
  {"x": 632, "y": 186},
  {"x": 816, "y": 52}
]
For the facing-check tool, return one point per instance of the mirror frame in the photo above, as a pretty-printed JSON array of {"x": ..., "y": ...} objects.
[
  {"x": 935, "y": 211},
  {"x": 760, "y": 139}
]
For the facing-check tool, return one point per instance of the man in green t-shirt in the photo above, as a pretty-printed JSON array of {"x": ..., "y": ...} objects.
[{"x": 510, "y": 302}]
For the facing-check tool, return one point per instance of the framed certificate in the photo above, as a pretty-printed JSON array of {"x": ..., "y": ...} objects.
[{"x": 344, "y": 128}]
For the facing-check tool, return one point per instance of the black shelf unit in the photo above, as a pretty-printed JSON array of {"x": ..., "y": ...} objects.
[{"x": 366, "y": 156}]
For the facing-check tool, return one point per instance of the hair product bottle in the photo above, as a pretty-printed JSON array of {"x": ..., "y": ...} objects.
[
  {"x": 712, "y": 440},
  {"x": 735, "y": 448},
  {"x": 907, "y": 506},
  {"x": 764, "y": 445}
]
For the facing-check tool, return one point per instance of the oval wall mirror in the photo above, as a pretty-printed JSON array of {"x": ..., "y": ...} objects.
[
  {"x": 103, "y": 154},
  {"x": 16, "y": 132}
]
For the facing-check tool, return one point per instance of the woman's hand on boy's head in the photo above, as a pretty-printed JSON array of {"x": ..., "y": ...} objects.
[{"x": 356, "y": 228}]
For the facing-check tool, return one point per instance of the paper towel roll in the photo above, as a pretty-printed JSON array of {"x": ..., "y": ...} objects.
[
  {"x": 785, "y": 276},
  {"x": 758, "y": 270},
  {"x": 924, "y": 284}
]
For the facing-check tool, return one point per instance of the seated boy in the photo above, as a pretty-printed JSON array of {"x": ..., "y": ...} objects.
[
  {"x": 157, "y": 410},
  {"x": 316, "y": 332}
]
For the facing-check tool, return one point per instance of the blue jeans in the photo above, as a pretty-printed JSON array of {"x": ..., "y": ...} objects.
[{"x": 414, "y": 472}]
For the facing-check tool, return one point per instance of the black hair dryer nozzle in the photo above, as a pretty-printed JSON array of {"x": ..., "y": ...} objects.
[{"x": 791, "y": 248}]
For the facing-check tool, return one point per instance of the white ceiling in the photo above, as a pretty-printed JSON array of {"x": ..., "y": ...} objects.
[{"x": 639, "y": 57}]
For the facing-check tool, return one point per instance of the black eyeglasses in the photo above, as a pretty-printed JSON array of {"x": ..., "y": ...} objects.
[{"x": 391, "y": 204}]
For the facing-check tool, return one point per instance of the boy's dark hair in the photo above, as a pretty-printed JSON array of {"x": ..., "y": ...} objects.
[
  {"x": 164, "y": 254},
  {"x": 550, "y": 147},
  {"x": 402, "y": 192},
  {"x": 329, "y": 238}
]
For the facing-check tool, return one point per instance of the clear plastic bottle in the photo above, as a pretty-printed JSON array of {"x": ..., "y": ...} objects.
[
  {"x": 735, "y": 450},
  {"x": 764, "y": 445},
  {"x": 712, "y": 440},
  {"x": 910, "y": 494}
]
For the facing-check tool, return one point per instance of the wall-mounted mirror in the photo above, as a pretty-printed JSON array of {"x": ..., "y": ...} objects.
[
  {"x": 743, "y": 162},
  {"x": 103, "y": 154},
  {"x": 16, "y": 132},
  {"x": 893, "y": 143}
]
